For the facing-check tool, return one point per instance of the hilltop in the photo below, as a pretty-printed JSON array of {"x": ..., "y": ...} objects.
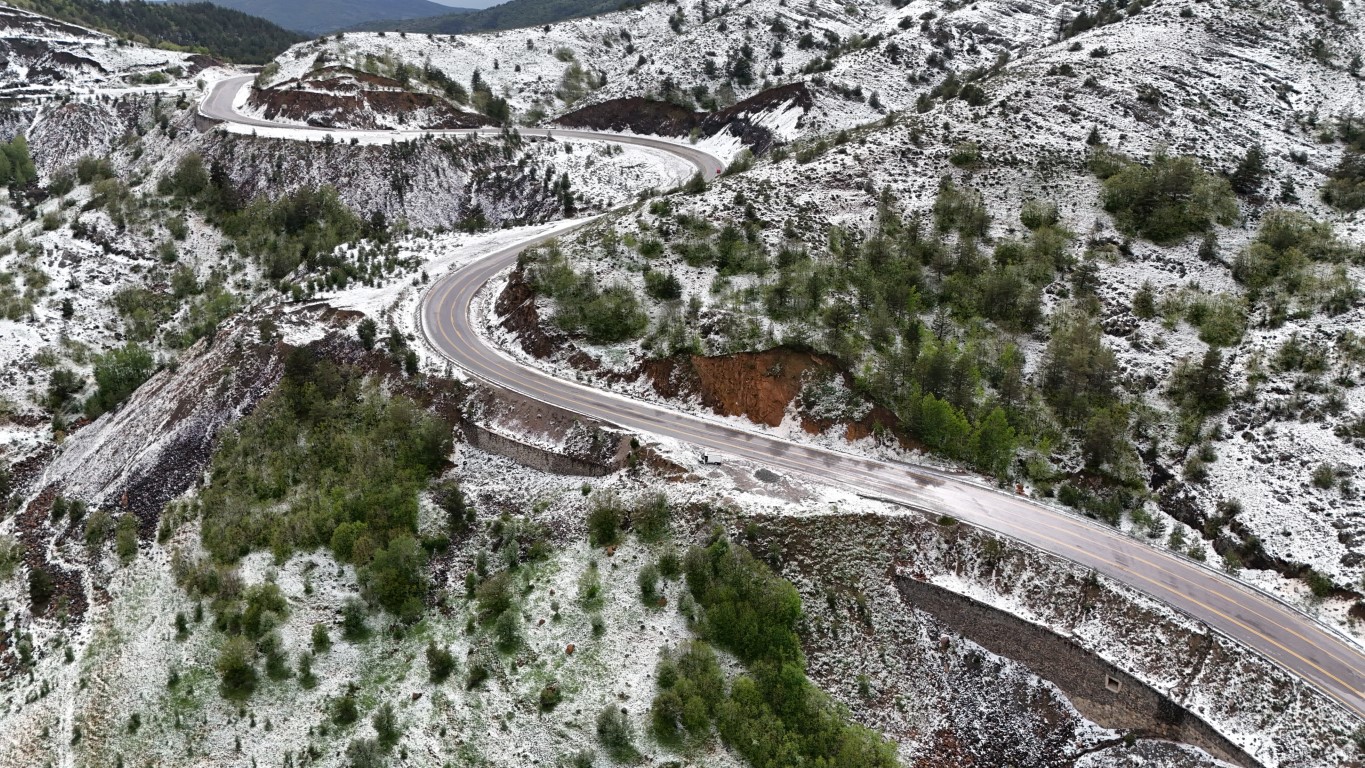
[
  {"x": 513, "y": 14},
  {"x": 316, "y": 17}
]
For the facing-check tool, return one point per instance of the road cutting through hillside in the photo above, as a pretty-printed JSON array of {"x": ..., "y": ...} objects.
[{"x": 1293, "y": 640}]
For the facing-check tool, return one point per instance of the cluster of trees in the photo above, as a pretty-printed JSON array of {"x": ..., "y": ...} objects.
[
  {"x": 731, "y": 249},
  {"x": 329, "y": 460},
  {"x": 482, "y": 98},
  {"x": 604, "y": 316},
  {"x": 1108, "y": 12},
  {"x": 1287, "y": 260},
  {"x": 16, "y": 166},
  {"x": 325, "y": 460},
  {"x": 304, "y": 227},
  {"x": 453, "y": 89},
  {"x": 965, "y": 86},
  {"x": 1345, "y": 187},
  {"x": 771, "y": 714},
  {"x": 1079, "y": 372},
  {"x": 499, "y": 608},
  {"x": 577, "y": 82},
  {"x": 514, "y": 541},
  {"x": 1200, "y": 389},
  {"x": 1166, "y": 199},
  {"x": 118, "y": 373},
  {"x": 400, "y": 353},
  {"x": 691, "y": 689},
  {"x": 148, "y": 313},
  {"x": 16, "y": 304},
  {"x": 609, "y": 516},
  {"x": 11, "y": 555},
  {"x": 249, "y": 617},
  {"x": 1251, "y": 172},
  {"x": 373, "y": 753},
  {"x": 198, "y": 27}
]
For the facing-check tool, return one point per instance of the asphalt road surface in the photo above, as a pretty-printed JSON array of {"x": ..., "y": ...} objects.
[
  {"x": 1295, "y": 641},
  {"x": 218, "y": 106}
]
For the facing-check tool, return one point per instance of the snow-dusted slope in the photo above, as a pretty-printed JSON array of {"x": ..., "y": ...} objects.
[
  {"x": 42, "y": 56},
  {"x": 638, "y": 52},
  {"x": 1206, "y": 79}
]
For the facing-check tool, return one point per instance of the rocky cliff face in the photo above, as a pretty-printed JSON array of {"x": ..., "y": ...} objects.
[
  {"x": 427, "y": 183},
  {"x": 155, "y": 447},
  {"x": 62, "y": 134}
]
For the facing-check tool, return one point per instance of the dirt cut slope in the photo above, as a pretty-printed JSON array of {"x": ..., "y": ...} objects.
[
  {"x": 341, "y": 97},
  {"x": 745, "y": 120},
  {"x": 765, "y": 386}
]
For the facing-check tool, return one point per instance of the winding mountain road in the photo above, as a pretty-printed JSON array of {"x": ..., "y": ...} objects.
[{"x": 1293, "y": 640}]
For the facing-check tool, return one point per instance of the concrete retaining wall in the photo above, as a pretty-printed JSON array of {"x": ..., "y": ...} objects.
[
  {"x": 1101, "y": 692},
  {"x": 204, "y": 124},
  {"x": 529, "y": 455}
]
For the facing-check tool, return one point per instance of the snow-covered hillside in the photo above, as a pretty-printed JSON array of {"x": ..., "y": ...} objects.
[
  {"x": 46, "y": 57},
  {"x": 705, "y": 55},
  {"x": 923, "y": 223},
  {"x": 994, "y": 97}
]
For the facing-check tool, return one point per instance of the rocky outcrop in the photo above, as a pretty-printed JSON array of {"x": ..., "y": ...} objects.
[
  {"x": 428, "y": 183},
  {"x": 64, "y": 133},
  {"x": 157, "y": 444}
]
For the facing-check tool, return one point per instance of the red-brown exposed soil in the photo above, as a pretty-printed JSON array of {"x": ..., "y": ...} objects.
[
  {"x": 517, "y": 307},
  {"x": 339, "y": 97},
  {"x": 759, "y": 386},
  {"x": 666, "y": 119}
]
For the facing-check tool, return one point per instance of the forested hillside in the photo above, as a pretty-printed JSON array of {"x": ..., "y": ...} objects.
[{"x": 321, "y": 16}]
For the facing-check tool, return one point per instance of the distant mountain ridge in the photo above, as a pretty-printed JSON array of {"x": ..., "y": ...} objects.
[
  {"x": 510, "y": 15},
  {"x": 316, "y": 17}
]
